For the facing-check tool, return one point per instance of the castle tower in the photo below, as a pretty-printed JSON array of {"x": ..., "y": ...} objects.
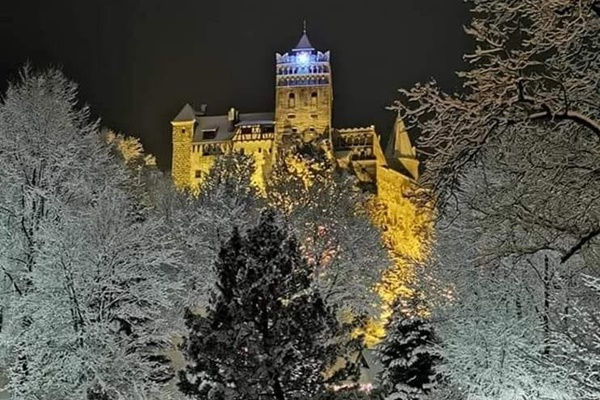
[
  {"x": 304, "y": 94},
  {"x": 183, "y": 135}
]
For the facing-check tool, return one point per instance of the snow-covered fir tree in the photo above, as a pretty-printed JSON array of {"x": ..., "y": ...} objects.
[
  {"x": 267, "y": 333},
  {"x": 409, "y": 357}
]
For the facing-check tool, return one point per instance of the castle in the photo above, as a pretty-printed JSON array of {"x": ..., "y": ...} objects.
[{"x": 303, "y": 109}]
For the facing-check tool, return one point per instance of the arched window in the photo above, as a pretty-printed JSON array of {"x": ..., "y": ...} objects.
[
  {"x": 313, "y": 99},
  {"x": 292, "y": 100}
]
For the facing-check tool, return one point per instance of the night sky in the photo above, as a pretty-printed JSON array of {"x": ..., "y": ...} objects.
[{"x": 137, "y": 62}]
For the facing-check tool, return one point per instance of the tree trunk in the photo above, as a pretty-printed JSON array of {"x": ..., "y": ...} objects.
[
  {"x": 277, "y": 389},
  {"x": 545, "y": 317}
]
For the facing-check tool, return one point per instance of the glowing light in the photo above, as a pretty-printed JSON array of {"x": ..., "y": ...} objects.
[{"x": 303, "y": 58}]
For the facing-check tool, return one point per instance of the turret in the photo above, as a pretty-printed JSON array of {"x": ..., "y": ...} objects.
[{"x": 183, "y": 135}]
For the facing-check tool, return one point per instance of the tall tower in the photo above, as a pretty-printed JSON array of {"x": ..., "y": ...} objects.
[
  {"x": 304, "y": 94},
  {"x": 183, "y": 135}
]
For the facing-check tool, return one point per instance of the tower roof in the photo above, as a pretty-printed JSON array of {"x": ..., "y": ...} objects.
[
  {"x": 186, "y": 114},
  {"x": 399, "y": 144},
  {"x": 304, "y": 43}
]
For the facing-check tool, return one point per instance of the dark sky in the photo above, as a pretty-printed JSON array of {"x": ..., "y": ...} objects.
[{"x": 138, "y": 61}]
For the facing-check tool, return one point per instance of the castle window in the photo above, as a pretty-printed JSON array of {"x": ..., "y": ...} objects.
[
  {"x": 268, "y": 129},
  {"x": 198, "y": 173},
  {"x": 291, "y": 100},
  {"x": 209, "y": 134},
  {"x": 259, "y": 150},
  {"x": 246, "y": 130},
  {"x": 291, "y": 116},
  {"x": 313, "y": 99},
  {"x": 182, "y": 130}
]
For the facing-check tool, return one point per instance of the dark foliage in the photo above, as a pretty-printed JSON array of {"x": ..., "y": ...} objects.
[
  {"x": 267, "y": 334},
  {"x": 409, "y": 357}
]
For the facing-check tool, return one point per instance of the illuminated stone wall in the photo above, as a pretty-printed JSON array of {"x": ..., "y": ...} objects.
[
  {"x": 181, "y": 167},
  {"x": 202, "y": 158},
  {"x": 309, "y": 108}
]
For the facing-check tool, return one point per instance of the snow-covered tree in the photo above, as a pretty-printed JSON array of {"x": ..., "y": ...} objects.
[
  {"x": 534, "y": 64},
  {"x": 268, "y": 333},
  {"x": 509, "y": 261},
  {"x": 409, "y": 356},
  {"x": 199, "y": 222},
  {"x": 327, "y": 213},
  {"x": 513, "y": 161},
  {"x": 84, "y": 290},
  {"x": 130, "y": 149},
  {"x": 578, "y": 339},
  {"x": 348, "y": 394}
]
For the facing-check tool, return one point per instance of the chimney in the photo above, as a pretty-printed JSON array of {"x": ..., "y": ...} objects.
[
  {"x": 232, "y": 119},
  {"x": 203, "y": 109}
]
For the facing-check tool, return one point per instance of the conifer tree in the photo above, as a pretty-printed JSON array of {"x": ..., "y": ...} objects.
[
  {"x": 267, "y": 333},
  {"x": 408, "y": 357}
]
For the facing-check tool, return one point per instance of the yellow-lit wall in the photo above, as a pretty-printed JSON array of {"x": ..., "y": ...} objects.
[
  {"x": 181, "y": 167},
  {"x": 304, "y": 114},
  {"x": 261, "y": 150}
]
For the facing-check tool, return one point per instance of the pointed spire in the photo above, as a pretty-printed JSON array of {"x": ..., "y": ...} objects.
[
  {"x": 186, "y": 114},
  {"x": 399, "y": 144},
  {"x": 304, "y": 43}
]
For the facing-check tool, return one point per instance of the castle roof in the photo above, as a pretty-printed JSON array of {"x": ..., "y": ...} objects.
[
  {"x": 399, "y": 144},
  {"x": 186, "y": 114},
  {"x": 396, "y": 165},
  {"x": 399, "y": 150},
  {"x": 223, "y": 130},
  {"x": 304, "y": 43}
]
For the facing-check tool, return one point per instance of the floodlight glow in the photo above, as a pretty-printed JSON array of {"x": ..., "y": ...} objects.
[{"x": 303, "y": 58}]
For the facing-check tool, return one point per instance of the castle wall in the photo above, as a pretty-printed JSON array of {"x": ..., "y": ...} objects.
[
  {"x": 303, "y": 111},
  {"x": 392, "y": 189},
  {"x": 182, "y": 153},
  {"x": 204, "y": 155}
]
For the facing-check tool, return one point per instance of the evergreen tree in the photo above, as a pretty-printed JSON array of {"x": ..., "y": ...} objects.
[
  {"x": 408, "y": 357},
  {"x": 267, "y": 333}
]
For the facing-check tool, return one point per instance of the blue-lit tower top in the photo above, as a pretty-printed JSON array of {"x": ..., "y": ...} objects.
[
  {"x": 303, "y": 65},
  {"x": 304, "y": 93}
]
